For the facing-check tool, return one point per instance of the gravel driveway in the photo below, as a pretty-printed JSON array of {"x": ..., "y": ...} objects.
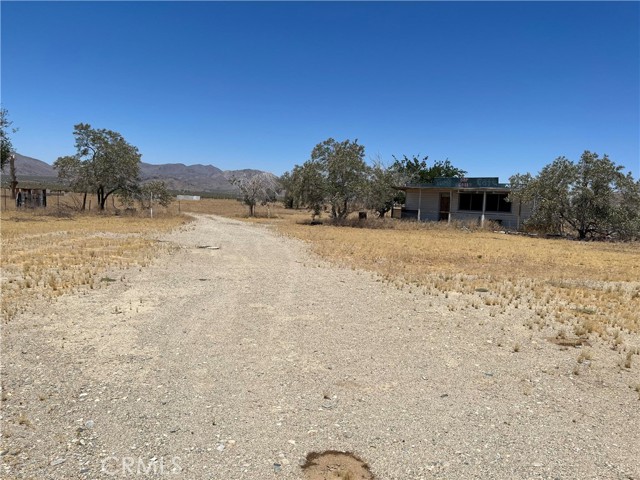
[{"x": 235, "y": 363}]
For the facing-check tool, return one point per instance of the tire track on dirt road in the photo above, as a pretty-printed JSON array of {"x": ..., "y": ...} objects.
[{"x": 225, "y": 362}]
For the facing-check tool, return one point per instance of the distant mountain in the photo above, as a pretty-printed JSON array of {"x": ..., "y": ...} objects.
[
  {"x": 194, "y": 178},
  {"x": 177, "y": 176},
  {"x": 32, "y": 167},
  {"x": 245, "y": 173}
]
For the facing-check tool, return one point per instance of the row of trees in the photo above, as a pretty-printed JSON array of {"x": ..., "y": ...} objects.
[
  {"x": 592, "y": 197},
  {"x": 336, "y": 175}
]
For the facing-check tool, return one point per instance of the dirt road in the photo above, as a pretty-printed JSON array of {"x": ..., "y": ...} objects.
[{"x": 235, "y": 363}]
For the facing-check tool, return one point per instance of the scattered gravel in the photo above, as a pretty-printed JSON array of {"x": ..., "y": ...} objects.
[{"x": 239, "y": 361}]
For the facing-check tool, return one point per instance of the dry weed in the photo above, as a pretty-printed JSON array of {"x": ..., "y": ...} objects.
[
  {"x": 588, "y": 286},
  {"x": 46, "y": 255}
]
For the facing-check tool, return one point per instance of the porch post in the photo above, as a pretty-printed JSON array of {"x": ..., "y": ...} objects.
[
  {"x": 419, "y": 202},
  {"x": 484, "y": 207}
]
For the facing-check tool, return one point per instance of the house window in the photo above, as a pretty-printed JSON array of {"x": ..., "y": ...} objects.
[
  {"x": 470, "y": 201},
  {"x": 496, "y": 202}
]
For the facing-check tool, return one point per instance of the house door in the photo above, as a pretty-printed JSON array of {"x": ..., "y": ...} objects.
[{"x": 445, "y": 206}]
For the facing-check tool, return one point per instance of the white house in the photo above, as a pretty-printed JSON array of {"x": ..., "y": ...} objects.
[{"x": 467, "y": 199}]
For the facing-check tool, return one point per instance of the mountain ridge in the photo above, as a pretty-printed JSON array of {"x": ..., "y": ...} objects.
[{"x": 177, "y": 176}]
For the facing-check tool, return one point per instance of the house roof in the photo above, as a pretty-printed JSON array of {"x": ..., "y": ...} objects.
[{"x": 463, "y": 183}]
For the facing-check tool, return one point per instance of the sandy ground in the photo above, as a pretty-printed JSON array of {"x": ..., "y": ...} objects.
[{"x": 235, "y": 363}]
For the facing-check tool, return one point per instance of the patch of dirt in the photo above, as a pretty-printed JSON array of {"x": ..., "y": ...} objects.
[
  {"x": 257, "y": 353},
  {"x": 334, "y": 465},
  {"x": 569, "y": 342}
]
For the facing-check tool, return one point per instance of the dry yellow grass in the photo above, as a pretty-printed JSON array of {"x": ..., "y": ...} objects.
[
  {"x": 273, "y": 214},
  {"x": 590, "y": 286},
  {"x": 45, "y": 255},
  {"x": 47, "y": 252},
  {"x": 595, "y": 284}
]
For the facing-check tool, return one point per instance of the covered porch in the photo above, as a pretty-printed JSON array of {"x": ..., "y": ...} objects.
[{"x": 463, "y": 199}]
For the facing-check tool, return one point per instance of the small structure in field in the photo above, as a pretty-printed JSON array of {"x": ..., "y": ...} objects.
[
  {"x": 31, "y": 198},
  {"x": 188, "y": 197},
  {"x": 469, "y": 199}
]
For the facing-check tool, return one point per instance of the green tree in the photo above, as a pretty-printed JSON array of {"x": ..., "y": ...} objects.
[
  {"x": 410, "y": 170},
  {"x": 383, "y": 188},
  {"x": 625, "y": 217},
  {"x": 305, "y": 187},
  {"x": 151, "y": 193},
  {"x": 7, "y": 155},
  {"x": 293, "y": 185},
  {"x": 520, "y": 193},
  {"x": 72, "y": 170},
  {"x": 417, "y": 170},
  {"x": 6, "y": 147},
  {"x": 158, "y": 193},
  {"x": 335, "y": 175},
  {"x": 104, "y": 162},
  {"x": 592, "y": 197},
  {"x": 342, "y": 167},
  {"x": 384, "y": 181}
]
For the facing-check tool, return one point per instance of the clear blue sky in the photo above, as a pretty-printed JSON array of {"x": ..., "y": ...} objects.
[{"x": 497, "y": 88}]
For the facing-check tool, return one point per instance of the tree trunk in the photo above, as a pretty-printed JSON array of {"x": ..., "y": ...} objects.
[
  {"x": 344, "y": 212},
  {"x": 102, "y": 198},
  {"x": 84, "y": 201},
  {"x": 13, "y": 175},
  {"x": 103, "y": 202}
]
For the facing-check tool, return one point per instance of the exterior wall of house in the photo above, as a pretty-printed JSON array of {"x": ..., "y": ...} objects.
[
  {"x": 429, "y": 203},
  {"x": 430, "y": 209}
]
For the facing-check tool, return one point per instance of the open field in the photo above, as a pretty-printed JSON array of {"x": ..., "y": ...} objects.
[
  {"x": 274, "y": 214},
  {"x": 579, "y": 288},
  {"x": 44, "y": 255},
  {"x": 589, "y": 287},
  {"x": 241, "y": 361}
]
